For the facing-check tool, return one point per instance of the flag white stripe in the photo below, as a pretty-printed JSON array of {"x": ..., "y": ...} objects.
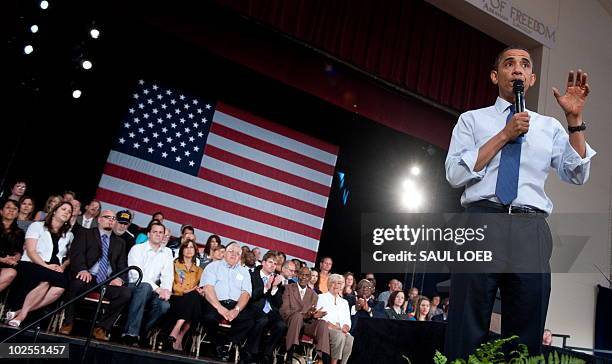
[
  {"x": 142, "y": 219},
  {"x": 218, "y": 166},
  {"x": 268, "y": 159},
  {"x": 226, "y": 193},
  {"x": 274, "y": 138},
  {"x": 207, "y": 212},
  {"x": 264, "y": 181}
]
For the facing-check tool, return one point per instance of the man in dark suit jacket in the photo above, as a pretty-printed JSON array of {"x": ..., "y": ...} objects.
[
  {"x": 263, "y": 307},
  {"x": 94, "y": 254},
  {"x": 299, "y": 312},
  {"x": 364, "y": 305}
]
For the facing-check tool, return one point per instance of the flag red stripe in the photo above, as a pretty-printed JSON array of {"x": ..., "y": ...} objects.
[
  {"x": 207, "y": 199},
  {"x": 265, "y": 170},
  {"x": 272, "y": 149},
  {"x": 206, "y": 225},
  {"x": 279, "y": 129},
  {"x": 258, "y": 191}
]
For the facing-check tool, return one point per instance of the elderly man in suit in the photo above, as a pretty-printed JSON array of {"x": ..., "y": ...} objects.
[
  {"x": 94, "y": 255},
  {"x": 299, "y": 312}
]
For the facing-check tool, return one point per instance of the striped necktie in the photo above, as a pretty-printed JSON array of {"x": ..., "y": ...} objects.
[
  {"x": 103, "y": 263},
  {"x": 508, "y": 173}
]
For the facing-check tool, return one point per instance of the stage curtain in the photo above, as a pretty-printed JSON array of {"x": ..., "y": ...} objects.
[{"x": 409, "y": 43}]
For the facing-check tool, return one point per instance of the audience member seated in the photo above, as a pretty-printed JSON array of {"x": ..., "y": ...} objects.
[
  {"x": 314, "y": 280},
  {"x": 122, "y": 229},
  {"x": 443, "y": 317},
  {"x": 227, "y": 289},
  {"x": 185, "y": 303},
  {"x": 413, "y": 295},
  {"x": 143, "y": 236},
  {"x": 68, "y": 196},
  {"x": 338, "y": 319},
  {"x": 41, "y": 269},
  {"x": 250, "y": 261},
  {"x": 349, "y": 292},
  {"x": 299, "y": 312},
  {"x": 52, "y": 201},
  {"x": 422, "y": 309},
  {"x": 394, "y": 285},
  {"x": 298, "y": 265},
  {"x": 264, "y": 307},
  {"x": 325, "y": 266},
  {"x": 11, "y": 243},
  {"x": 26, "y": 213},
  {"x": 547, "y": 337},
  {"x": 211, "y": 243},
  {"x": 94, "y": 255},
  {"x": 18, "y": 190},
  {"x": 394, "y": 309},
  {"x": 76, "y": 212},
  {"x": 90, "y": 218},
  {"x": 156, "y": 263},
  {"x": 365, "y": 305},
  {"x": 187, "y": 233},
  {"x": 288, "y": 272},
  {"x": 281, "y": 258},
  {"x": 257, "y": 252},
  {"x": 435, "y": 308},
  {"x": 370, "y": 277}
]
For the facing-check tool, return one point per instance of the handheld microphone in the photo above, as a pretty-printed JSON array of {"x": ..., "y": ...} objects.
[{"x": 518, "y": 88}]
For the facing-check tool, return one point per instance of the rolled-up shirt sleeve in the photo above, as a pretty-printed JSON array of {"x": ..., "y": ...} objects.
[
  {"x": 567, "y": 162},
  {"x": 463, "y": 154}
]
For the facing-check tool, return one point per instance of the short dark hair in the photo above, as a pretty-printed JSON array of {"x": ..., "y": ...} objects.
[
  {"x": 157, "y": 213},
  {"x": 498, "y": 59},
  {"x": 269, "y": 254},
  {"x": 155, "y": 223}
]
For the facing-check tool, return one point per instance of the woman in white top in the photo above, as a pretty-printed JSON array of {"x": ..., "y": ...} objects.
[
  {"x": 41, "y": 270},
  {"x": 338, "y": 319}
]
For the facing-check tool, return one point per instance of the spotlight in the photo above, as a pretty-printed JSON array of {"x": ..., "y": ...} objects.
[
  {"x": 412, "y": 199},
  {"x": 28, "y": 49},
  {"x": 44, "y": 5},
  {"x": 34, "y": 28},
  {"x": 86, "y": 64},
  {"x": 408, "y": 184},
  {"x": 95, "y": 33},
  {"x": 415, "y": 170},
  {"x": 76, "y": 93}
]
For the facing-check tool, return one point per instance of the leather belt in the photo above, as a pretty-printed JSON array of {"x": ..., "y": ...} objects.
[{"x": 508, "y": 209}]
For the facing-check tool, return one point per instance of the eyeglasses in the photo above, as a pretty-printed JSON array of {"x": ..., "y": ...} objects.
[{"x": 110, "y": 217}]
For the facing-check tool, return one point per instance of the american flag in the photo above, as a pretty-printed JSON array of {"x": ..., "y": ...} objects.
[{"x": 220, "y": 169}]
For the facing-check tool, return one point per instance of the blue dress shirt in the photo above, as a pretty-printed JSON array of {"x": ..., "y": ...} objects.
[{"x": 546, "y": 145}]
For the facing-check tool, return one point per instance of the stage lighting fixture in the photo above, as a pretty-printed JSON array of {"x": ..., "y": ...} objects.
[
  {"x": 28, "y": 49},
  {"x": 34, "y": 28},
  {"x": 415, "y": 170},
  {"x": 94, "y": 33},
  {"x": 44, "y": 5},
  {"x": 76, "y": 94},
  {"x": 408, "y": 184},
  {"x": 86, "y": 64}
]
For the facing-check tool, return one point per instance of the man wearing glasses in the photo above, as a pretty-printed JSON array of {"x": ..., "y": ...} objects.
[
  {"x": 94, "y": 255},
  {"x": 227, "y": 290}
]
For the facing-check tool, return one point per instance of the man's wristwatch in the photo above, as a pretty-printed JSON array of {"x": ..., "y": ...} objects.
[
  {"x": 573, "y": 129},
  {"x": 237, "y": 308}
]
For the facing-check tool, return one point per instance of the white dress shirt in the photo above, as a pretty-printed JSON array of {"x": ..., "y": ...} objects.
[
  {"x": 337, "y": 309},
  {"x": 44, "y": 243},
  {"x": 157, "y": 266},
  {"x": 86, "y": 222},
  {"x": 546, "y": 145}
]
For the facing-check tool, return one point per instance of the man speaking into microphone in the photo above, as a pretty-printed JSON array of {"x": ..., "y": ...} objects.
[{"x": 502, "y": 156}]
